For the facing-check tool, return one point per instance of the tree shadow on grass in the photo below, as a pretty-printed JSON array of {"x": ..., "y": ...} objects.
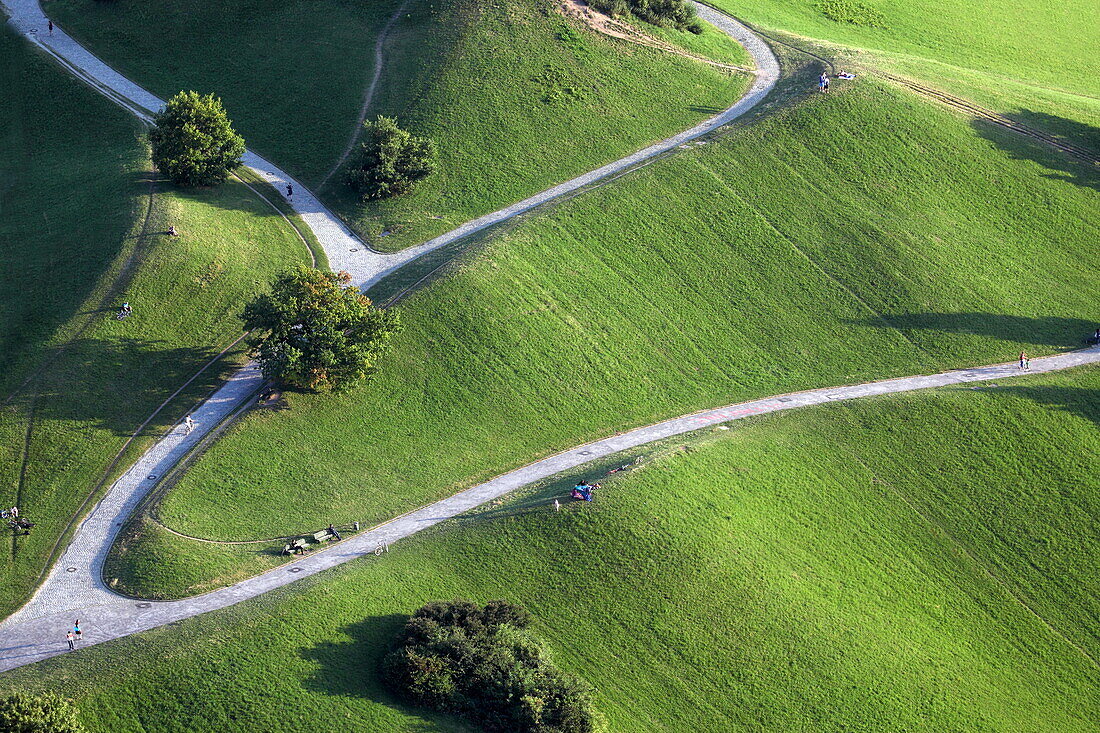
[
  {"x": 353, "y": 669},
  {"x": 116, "y": 385},
  {"x": 1054, "y": 331},
  {"x": 1063, "y": 166},
  {"x": 1082, "y": 402}
]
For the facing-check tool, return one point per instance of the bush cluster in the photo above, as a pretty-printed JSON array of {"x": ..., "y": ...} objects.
[
  {"x": 665, "y": 13},
  {"x": 23, "y": 713},
  {"x": 457, "y": 657},
  {"x": 390, "y": 160}
]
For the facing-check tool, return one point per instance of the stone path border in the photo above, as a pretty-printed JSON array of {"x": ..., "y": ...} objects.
[{"x": 37, "y": 631}]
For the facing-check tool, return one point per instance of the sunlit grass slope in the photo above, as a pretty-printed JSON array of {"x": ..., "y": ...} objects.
[
  {"x": 921, "y": 561},
  {"x": 855, "y": 236},
  {"x": 516, "y": 97},
  {"x": 82, "y": 220}
]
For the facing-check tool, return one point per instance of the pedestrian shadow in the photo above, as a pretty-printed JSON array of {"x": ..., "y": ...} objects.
[
  {"x": 352, "y": 669},
  {"x": 1062, "y": 166},
  {"x": 1053, "y": 331}
]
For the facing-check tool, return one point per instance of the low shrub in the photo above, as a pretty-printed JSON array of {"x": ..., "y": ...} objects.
[
  {"x": 853, "y": 12},
  {"x": 23, "y": 713},
  {"x": 458, "y": 657},
  {"x": 390, "y": 160},
  {"x": 666, "y": 13}
]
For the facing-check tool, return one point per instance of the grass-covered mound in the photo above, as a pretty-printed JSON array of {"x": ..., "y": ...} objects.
[
  {"x": 82, "y": 221},
  {"x": 922, "y": 561},
  {"x": 817, "y": 247},
  {"x": 1037, "y": 42},
  {"x": 516, "y": 97}
]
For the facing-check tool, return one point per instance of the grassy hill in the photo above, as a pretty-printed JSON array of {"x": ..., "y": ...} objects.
[
  {"x": 1038, "y": 42},
  {"x": 822, "y": 245},
  {"x": 82, "y": 219},
  {"x": 516, "y": 97},
  {"x": 1026, "y": 60},
  {"x": 866, "y": 565}
]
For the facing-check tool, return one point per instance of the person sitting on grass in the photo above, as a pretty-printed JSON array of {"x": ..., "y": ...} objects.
[
  {"x": 583, "y": 490},
  {"x": 125, "y": 310}
]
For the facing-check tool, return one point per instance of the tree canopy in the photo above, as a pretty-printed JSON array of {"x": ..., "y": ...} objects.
[
  {"x": 193, "y": 142},
  {"x": 480, "y": 663},
  {"x": 317, "y": 331},
  {"x": 390, "y": 160},
  {"x": 24, "y": 713}
]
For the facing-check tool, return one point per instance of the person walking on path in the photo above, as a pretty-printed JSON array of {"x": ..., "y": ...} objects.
[
  {"x": 188, "y": 424},
  {"x": 76, "y": 630},
  {"x": 289, "y": 190},
  {"x": 69, "y": 638},
  {"x": 49, "y": 24},
  {"x": 1025, "y": 363}
]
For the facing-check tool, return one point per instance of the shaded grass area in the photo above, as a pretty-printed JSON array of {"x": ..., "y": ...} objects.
[
  {"x": 516, "y": 97},
  {"x": 84, "y": 222},
  {"x": 856, "y": 566},
  {"x": 776, "y": 260}
]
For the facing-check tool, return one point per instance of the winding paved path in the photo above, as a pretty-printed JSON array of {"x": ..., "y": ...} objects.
[
  {"x": 37, "y": 631},
  {"x": 74, "y": 586}
]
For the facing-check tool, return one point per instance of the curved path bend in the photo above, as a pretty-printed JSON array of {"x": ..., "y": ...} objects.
[
  {"x": 74, "y": 586},
  {"x": 74, "y": 589}
]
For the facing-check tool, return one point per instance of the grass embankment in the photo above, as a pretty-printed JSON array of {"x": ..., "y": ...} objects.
[
  {"x": 1035, "y": 42},
  {"x": 1028, "y": 61},
  {"x": 859, "y": 566},
  {"x": 83, "y": 222},
  {"x": 516, "y": 97},
  {"x": 817, "y": 247}
]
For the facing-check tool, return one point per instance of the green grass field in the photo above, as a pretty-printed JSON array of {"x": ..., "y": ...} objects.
[
  {"x": 1026, "y": 60},
  {"x": 82, "y": 218},
  {"x": 516, "y": 97},
  {"x": 778, "y": 259},
  {"x": 1038, "y": 42},
  {"x": 861, "y": 566}
]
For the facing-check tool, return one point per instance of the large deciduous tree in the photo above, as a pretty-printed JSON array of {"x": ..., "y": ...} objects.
[
  {"x": 390, "y": 160},
  {"x": 316, "y": 331},
  {"x": 193, "y": 142}
]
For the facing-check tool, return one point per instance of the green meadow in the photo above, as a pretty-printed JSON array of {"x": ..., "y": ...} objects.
[
  {"x": 516, "y": 97},
  {"x": 83, "y": 221},
  {"x": 920, "y": 561},
  {"x": 774, "y": 260}
]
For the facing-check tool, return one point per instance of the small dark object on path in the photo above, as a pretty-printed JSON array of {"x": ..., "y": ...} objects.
[{"x": 289, "y": 190}]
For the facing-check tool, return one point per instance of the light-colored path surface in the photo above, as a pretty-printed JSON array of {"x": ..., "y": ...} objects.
[{"x": 38, "y": 630}]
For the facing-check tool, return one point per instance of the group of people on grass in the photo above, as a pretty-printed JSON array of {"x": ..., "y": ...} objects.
[
  {"x": 583, "y": 490},
  {"x": 823, "y": 80},
  {"x": 15, "y": 521}
]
